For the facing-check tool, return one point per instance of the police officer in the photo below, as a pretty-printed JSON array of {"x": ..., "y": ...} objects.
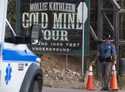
[{"x": 107, "y": 57}]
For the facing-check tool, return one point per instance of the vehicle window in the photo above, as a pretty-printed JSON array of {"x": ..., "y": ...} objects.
[{"x": 8, "y": 34}]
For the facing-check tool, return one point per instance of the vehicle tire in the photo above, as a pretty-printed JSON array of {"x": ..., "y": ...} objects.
[{"x": 36, "y": 85}]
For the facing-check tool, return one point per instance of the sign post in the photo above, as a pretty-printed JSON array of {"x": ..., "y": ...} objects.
[{"x": 85, "y": 41}]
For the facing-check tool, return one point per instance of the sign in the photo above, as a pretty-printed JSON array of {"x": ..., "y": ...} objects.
[
  {"x": 54, "y": 25},
  {"x": 8, "y": 74}
]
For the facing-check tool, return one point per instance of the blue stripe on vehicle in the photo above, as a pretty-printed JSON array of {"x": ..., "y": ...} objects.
[{"x": 12, "y": 55}]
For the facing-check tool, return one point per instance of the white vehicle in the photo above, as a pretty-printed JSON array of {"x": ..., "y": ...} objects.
[{"x": 19, "y": 68}]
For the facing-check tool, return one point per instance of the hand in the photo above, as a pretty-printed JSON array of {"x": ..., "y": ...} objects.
[
  {"x": 114, "y": 62},
  {"x": 92, "y": 63}
]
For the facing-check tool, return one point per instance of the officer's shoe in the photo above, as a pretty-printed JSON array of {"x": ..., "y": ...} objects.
[{"x": 104, "y": 89}]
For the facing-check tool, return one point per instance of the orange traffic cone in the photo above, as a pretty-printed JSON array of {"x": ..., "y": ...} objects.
[
  {"x": 90, "y": 80},
  {"x": 113, "y": 82}
]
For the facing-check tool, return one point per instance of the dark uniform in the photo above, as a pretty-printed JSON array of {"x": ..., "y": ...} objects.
[{"x": 107, "y": 56}]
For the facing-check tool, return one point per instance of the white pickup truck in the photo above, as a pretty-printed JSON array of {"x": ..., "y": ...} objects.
[{"x": 19, "y": 68}]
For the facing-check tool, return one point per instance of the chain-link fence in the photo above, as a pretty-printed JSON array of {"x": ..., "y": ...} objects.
[{"x": 11, "y": 12}]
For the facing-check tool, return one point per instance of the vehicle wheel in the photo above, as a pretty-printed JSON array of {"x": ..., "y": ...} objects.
[{"x": 36, "y": 86}]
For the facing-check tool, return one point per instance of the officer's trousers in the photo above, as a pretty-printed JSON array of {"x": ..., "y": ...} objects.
[{"x": 106, "y": 68}]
